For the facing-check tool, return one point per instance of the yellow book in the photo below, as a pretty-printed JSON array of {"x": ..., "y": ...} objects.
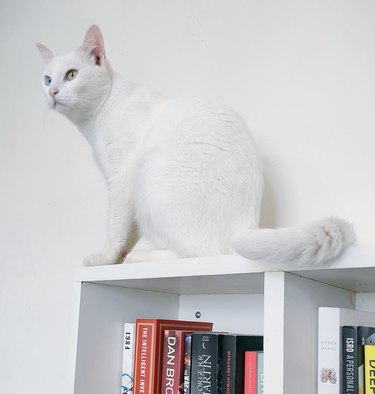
[{"x": 370, "y": 369}]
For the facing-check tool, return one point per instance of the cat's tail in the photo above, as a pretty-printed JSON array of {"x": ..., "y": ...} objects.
[{"x": 314, "y": 243}]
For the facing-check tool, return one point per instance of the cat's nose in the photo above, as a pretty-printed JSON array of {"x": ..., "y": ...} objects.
[{"x": 53, "y": 91}]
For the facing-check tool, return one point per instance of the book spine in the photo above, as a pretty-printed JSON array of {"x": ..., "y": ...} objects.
[
  {"x": 169, "y": 362},
  {"x": 187, "y": 363},
  {"x": 260, "y": 373},
  {"x": 219, "y": 365},
  {"x": 127, "y": 377},
  {"x": 144, "y": 357},
  {"x": 172, "y": 370},
  {"x": 329, "y": 331},
  {"x": 369, "y": 369},
  {"x": 229, "y": 364},
  {"x": 349, "y": 370},
  {"x": 365, "y": 335},
  {"x": 204, "y": 361},
  {"x": 250, "y": 381}
]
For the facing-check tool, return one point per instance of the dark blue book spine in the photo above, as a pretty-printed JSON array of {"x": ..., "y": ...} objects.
[{"x": 349, "y": 365}]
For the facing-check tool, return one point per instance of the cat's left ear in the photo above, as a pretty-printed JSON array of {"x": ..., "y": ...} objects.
[{"x": 93, "y": 44}]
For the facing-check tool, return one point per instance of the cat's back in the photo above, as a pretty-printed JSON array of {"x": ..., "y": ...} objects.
[
  {"x": 178, "y": 121},
  {"x": 194, "y": 123},
  {"x": 196, "y": 142}
]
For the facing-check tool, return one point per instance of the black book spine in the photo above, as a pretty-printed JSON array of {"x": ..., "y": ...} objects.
[
  {"x": 229, "y": 364},
  {"x": 349, "y": 366},
  {"x": 204, "y": 361},
  {"x": 219, "y": 365}
]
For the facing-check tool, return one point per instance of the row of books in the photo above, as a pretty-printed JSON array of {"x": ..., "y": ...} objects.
[
  {"x": 174, "y": 357},
  {"x": 346, "y": 351},
  {"x": 358, "y": 361}
]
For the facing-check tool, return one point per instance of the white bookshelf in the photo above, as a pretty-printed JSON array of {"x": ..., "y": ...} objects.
[{"x": 238, "y": 295}]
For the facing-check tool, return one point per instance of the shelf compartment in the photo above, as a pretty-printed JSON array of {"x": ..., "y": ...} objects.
[{"x": 104, "y": 308}]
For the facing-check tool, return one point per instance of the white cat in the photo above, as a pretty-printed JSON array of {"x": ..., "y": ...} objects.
[{"x": 185, "y": 171}]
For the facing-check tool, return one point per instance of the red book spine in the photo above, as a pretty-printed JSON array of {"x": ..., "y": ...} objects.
[
  {"x": 173, "y": 362},
  {"x": 250, "y": 384},
  {"x": 149, "y": 350},
  {"x": 144, "y": 357}
]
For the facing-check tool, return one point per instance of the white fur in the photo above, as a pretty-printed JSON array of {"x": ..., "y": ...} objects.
[
  {"x": 185, "y": 171},
  {"x": 315, "y": 243}
]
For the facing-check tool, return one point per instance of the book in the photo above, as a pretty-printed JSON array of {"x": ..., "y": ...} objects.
[
  {"x": 353, "y": 340},
  {"x": 329, "y": 340},
  {"x": 187, "y": 364},
  {"x": 251, "y": 372},
  {"x": 349, "y": 366},
  {"x": 173, "y": 362},
  {"x": 127, "y": 377},
  {"x": 365, "y": 335},
  {"x": 149, "y": 352},
  {"x": 206, "y": 356},
  {"x": 234, "y": 347},
  {"x": 260, "y": 382},
  {"x": 369, "y": 351}
]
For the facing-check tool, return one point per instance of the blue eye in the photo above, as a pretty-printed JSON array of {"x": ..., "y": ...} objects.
[{"x": 47, "y": 80}]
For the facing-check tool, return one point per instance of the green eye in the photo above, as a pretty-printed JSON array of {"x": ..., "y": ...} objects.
[
  {"x": 71, "y": 74},
  {"x": 47, "y": 80}
]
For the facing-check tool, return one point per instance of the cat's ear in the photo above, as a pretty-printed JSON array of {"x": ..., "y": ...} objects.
[
  {"x": 93, "y": 44},
  {"x": 46, "y": 53}
]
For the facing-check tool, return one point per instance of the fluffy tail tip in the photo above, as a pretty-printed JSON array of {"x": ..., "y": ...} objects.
[
  {"x": 313, "y": 243},
  {"x": 342, "y": 228}
]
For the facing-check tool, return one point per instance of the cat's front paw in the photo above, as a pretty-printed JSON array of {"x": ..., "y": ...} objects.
[
  {"x": 99, "y": 259},
  {"x": 131, "y": 258}
]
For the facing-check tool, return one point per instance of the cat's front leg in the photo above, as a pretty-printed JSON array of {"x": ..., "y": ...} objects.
[{"x": 119, "y": 224}]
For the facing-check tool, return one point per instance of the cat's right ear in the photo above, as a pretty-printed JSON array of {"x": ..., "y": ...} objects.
[{"x": 46, "y": 53}]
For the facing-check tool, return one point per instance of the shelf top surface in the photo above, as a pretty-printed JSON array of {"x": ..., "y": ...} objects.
[{"x": 353, "y": 270}]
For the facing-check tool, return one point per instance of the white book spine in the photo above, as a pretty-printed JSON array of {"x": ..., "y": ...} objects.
[
  {"x": 329, "y": 344},
  {"x": 127, "y": 377},
  {"x": 329, "y": 351}
]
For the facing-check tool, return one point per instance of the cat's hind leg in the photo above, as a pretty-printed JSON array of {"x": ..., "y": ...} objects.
[{"x": 145, "y": 250}]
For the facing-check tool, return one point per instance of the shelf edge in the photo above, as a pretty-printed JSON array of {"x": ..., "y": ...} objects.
[{"x": 355, "y": 256}]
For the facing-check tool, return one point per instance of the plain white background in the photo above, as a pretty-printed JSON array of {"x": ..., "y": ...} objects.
[{"x": 301, "y": 73}]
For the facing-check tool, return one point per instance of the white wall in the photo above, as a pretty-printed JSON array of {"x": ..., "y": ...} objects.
[{"x": 301, "y": 72}]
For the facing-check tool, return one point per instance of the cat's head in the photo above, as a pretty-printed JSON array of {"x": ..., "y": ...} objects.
[{"x": 78, "y": 83}]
